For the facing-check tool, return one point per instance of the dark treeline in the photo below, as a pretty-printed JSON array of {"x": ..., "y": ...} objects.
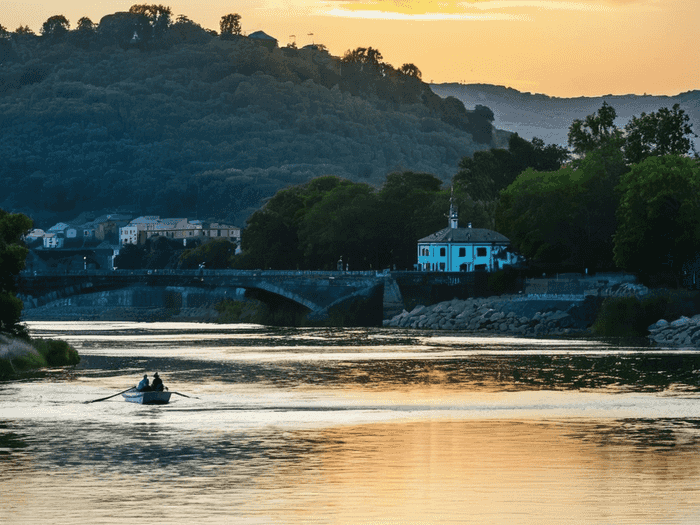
[
  {"x": 162, "y": 116},
  {"x": 617, "y": 200}
]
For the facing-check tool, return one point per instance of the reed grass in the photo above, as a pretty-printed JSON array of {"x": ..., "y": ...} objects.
[{"x": 18, "y": 356}]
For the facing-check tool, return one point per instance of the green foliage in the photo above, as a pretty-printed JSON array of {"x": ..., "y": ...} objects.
[
  {"x": 658, "y": 216},
  {"x": 22, "y": 355},
  {"x": 631, "y": 316},
  {"x": 56, "y": 352},
  {"x": 666, "y": 132},
  {"x": 411, "y": 70},
  {"x": 563, "y": 219},
  {"x": 12, "y": 258},
  {"x": 621, "y": 317},
  {"x": 312, "y": 226},
  {"x": 158, "y": 15},
  {"x": 55, "y": 27},
  {"x": 595, "y": 131},
  {"x": 186, "y": 127},
  {"x": 486, "y": 173},
  {"x": 24, "y": 30},
  {"x": 214, "y": 254},
  {"x": 230, "y": 25}
]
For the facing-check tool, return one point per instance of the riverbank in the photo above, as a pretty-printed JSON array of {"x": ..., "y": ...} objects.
[
  {"x": 18, "y": 357},
  {"x": 519, "y": 315}
]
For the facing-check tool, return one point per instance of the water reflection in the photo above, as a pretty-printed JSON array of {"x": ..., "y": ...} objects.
[{"x": 352, "y": 426}]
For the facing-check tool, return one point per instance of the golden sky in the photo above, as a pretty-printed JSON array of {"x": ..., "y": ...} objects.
[{"x": 557, "y": 47}]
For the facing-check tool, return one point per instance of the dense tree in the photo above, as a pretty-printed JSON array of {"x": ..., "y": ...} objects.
[
  {"x": 161, "y": 131},
  {"x": 595, "y": 131},
  {"x": 345, "y": 222},
  {"x": 159, "y": 16},
  {"x": 230, "y": 25},
  {"x": 563, "y": 219},
  {"x": 213, "y": 254},
  {"x": 659, "y": 217},
  {"x": 4, "y": 33},
  {"x": 486, "y": 173},
  {"x": 24, "y": 30},
  {"x": 411, "y": 70},
  {"x": 313, "y": 225},
  {"x": 413, "y": 207},
  {"x": 55, "y": 27},
  {"x": 665, "y": 132},
  {"x": 12, "y": 257},
  {"x": 85, "y": 24},
  {"x": 131, "y": 257}
]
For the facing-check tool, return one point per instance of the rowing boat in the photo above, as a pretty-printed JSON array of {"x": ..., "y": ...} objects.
[{"x": 147, "y": 398}]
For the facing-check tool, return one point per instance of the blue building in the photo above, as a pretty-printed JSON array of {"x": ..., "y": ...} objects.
[{"x": 455, "y": 249}]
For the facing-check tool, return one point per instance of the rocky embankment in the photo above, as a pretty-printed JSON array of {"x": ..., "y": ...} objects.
[
  {"x": 505, "y": 315},
  {"x": 683, "y": 332}
]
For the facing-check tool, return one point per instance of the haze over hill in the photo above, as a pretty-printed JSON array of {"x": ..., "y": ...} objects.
[
  {"x": 548, "y": 118},
  {"x": 175, "y": 121}
]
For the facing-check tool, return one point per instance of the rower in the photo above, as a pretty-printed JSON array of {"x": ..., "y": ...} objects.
[
  {"x": 157, "y": 385},
  {"x": 143, "y": 385}
]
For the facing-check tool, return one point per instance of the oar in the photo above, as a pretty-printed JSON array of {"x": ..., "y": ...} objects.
[
  {"x": 183, "y": 395},
  {"x": 108, "y": 397}
]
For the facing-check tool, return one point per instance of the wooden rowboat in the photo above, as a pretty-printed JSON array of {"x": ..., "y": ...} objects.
[{"x": 147, "y": 398}]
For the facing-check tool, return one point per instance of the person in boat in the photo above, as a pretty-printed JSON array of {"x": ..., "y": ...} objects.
[
  {"x": 143, "y": 385},
  {"x": 157, "y": 385}
]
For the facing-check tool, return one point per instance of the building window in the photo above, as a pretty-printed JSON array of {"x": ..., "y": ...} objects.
[
  {"x": 462, "y": 252},
  {"x": 442, "y": 266},
  {"x": 481, "y": 252},
  {"x": 442, "y": 252}
]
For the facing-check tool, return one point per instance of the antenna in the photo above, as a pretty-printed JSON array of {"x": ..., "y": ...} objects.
[{"x": 311, "y": 34}]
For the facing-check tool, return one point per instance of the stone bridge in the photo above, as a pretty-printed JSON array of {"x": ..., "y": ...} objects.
[{"x": 374, "y": 295}]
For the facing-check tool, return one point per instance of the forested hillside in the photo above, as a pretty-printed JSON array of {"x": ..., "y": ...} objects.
[
  {"x": 548, "y": 118},
  {"x": 174, "y": 120}
]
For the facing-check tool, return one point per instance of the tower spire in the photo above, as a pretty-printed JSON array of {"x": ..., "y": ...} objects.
[{"x": 453, "y": 210}]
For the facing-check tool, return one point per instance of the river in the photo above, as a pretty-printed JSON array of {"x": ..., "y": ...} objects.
[{"x": 328, "y": 425}]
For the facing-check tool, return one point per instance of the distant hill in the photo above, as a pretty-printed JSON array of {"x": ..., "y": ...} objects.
[
  {"x": 532, "y": 115},
  {"x": 179, "y": 122}
]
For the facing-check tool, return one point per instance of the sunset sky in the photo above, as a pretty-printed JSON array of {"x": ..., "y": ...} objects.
[{"x": 560, "y": 48}]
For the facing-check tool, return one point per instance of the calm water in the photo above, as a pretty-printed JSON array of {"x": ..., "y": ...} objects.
[{"x": 351, "y": 426}]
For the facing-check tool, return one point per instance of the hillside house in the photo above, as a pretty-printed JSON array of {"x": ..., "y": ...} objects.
[
  {"x": 54, "y": 240},
  {"x": 35, "y": 235},
  {"x": 455, "y": 249},
  {"x": 262, "y": 38},
  {"x": 65, "y": 229}
]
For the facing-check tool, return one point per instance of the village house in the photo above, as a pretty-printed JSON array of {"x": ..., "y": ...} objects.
[
  {"x": 65, "y": 229},
  {"x": 455, "y": 249},
  {"x": 53, "y": 240},
  {"x": 143, "y": 228}
]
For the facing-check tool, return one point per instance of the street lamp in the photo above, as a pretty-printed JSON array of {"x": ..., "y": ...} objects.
[{"x": 85, "y": 262}]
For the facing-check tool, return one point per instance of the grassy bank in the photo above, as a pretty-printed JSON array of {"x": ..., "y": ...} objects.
[{"x": 18, "y": 356}]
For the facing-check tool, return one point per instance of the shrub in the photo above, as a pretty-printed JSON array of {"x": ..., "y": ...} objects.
[
  {"x": 630, "y": 316},
  {"x": 56, "y": 353}
]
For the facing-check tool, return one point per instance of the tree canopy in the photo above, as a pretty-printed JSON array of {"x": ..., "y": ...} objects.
[
  {"x": 663, "y": 132},
  {"x": 230, "y": 25},
  {"x": 483, "y": 175},
  {"x": 12, "y": 257},
  {"x": 55, "y": 27},
  {"x": 659, "y": 217},
  {"x": 190, "y": 125},
  {"x": 594, "y": 131}
]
